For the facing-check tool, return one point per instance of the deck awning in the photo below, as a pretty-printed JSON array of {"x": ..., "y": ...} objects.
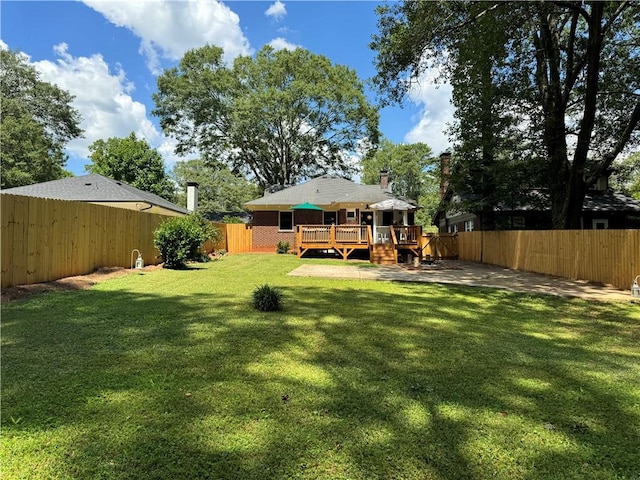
[{"x": 392, "y": 204}]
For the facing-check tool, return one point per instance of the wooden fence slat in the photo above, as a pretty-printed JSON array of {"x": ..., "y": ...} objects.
[
  {"x": 20, "y": 229},
  {"x": 7, "y": 207}
]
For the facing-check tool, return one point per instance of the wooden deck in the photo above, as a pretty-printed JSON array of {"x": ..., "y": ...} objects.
[{"x": 345, "y": 239}]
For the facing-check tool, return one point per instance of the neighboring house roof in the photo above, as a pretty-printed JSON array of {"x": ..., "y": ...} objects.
[
  {"x": 538, "y": 200},
  {"x": 324, "y": 191},
  {"x": 610, "y": 202},
  {"x": 92, "y": 188}
]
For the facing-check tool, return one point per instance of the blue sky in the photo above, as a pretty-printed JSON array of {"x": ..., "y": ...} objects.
[{"x": 109, "y": 54}]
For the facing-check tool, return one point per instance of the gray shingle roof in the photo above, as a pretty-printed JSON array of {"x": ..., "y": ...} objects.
[
  {"x": 610, "y": 202},
  {"x": 92, "y": 188},
  {"x": 324, "y": 191}
]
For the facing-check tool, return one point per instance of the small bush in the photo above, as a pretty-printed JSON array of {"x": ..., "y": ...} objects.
[
  {"x": 180, "y": 239},
  {"x": 267, "y": 299},
  {"x": 283, "y": 247}
]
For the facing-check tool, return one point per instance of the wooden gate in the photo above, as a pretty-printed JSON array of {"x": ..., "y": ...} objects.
[
  {"x": 440, "y": 246},
  {"x": 234, "y": 238}
]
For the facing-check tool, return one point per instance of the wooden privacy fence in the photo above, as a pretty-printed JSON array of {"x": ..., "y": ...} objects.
[
  {"x": 607, "y": 256},
  {"x": 440, "y": 246},
  {"x": 44, "y": 239},
  {"x": 234, "y": 238}
]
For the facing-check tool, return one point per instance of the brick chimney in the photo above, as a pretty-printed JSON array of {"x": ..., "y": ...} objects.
[
  {"x": 445, "y": 171},
  {"x": 384, "y": 179},
  {"x": 192, "y": 196}
]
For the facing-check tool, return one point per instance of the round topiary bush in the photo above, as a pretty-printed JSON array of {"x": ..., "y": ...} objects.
[
  {"x": 267, "y": 299},
  {"x": 180, "y": 239}
]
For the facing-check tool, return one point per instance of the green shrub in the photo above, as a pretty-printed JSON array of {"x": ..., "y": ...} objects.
[
  {"x": 283, "y": 247},
  {"x": 267, "y": 299},
  {"x": 180, "y": 239}
]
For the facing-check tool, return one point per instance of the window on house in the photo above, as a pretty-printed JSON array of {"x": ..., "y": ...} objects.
[
  {"x": 600, "y": 224},
  {"x": 351, "y": 216},
  {"x": 517, "y": 222},
  {"x": 468, "y": 226},
  {"x": 286, "y": 221},
  {"x": 455, "y": 228},
  {"x": 330, "y": 218}
]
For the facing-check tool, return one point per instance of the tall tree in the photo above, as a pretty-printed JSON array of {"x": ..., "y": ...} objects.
[
  {"x": 36, "y": 122},
  {"x": 566, "y": 73},
  {"x": 133, "y": 161},
  {"x": 278, "y": 117},
  {"x": 219, "y": 190}
]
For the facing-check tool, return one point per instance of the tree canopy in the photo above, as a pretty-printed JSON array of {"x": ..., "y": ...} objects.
[
  {"x": 546, "y": 93},
  {"x": 278, "y": 117},
  {"x": 36, "y": 122},
  {"x": 219, "y": 190},
  {"x": 131, "y": 160}
]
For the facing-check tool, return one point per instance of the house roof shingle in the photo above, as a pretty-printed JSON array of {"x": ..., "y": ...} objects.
[
  {"x": 92, "y": 188},
  {"x": 324, "y": 191}
]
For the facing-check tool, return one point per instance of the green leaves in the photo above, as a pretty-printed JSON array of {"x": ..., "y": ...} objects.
[
  {"x": 179, "y": 239},
  {"x": 133, "y": 161},
  {"x": 278, "y": 117},
  {"x": 36, "y": 123}
]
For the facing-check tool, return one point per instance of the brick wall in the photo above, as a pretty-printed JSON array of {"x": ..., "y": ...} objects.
[
  {"x": 266, "y": 238},
  {"x": 266, "y": 234}
]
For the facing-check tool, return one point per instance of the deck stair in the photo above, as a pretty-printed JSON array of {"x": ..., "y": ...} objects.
[{"x": 384, "y": 254}]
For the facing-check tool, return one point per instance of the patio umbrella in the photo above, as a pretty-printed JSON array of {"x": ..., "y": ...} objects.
[
  {"x": 305, "y": 206},
  {"x": 392, "y": 204}
]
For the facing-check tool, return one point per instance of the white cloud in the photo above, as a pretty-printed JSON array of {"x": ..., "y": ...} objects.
[
  {"x": 3, "y": 46},
  {"x": 104, "y": 100},
  {"x": 277, "y": 10},
  {"x": 436, "y": 113},
  {"x": 168, "y": 29},
  {"x": 281, "y": 44}
]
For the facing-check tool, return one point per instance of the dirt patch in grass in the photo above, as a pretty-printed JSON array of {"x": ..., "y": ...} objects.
[{"x": 78, "y": 282}]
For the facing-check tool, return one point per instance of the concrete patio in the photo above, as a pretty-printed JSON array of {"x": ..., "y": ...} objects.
[{"x": 469, "y": 274}]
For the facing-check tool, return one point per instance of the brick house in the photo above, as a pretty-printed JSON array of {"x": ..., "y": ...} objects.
[{"x": 334, "y": 201}]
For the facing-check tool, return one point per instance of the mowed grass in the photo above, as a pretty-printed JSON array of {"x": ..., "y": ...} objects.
[{"x": 173, "y": 375}]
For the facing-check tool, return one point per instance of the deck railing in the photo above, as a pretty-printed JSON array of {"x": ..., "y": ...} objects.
[
  {"x": 315, "y": 233},
  {"x": 351, "y": 234},
  {"x": 332, "y": 234},
  {"x": 408, "y": 235}
]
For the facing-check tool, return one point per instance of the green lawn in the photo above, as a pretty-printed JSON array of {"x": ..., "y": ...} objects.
[{"x": 173, "y": 375}]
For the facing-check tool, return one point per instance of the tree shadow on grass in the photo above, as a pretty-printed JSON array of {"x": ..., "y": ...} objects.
[{"x": 424, "y": 382}]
